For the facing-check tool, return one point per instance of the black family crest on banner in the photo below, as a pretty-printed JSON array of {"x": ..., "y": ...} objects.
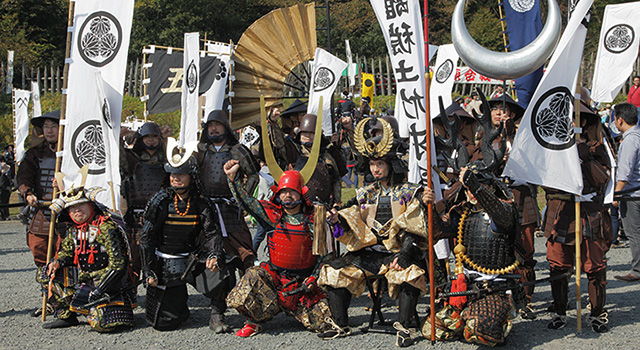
[
  {"x": 444, "y": 71},
  {"x": 323, "y": 80},
  {"x": 88, "y": 147},
  {"x": 619, "y": 38},
  {"x": 192, "y": 77},
  {"x": 22, "y": 102},
  {"x": 552, "y": 119},
  {"x": 100, "y": 39}
]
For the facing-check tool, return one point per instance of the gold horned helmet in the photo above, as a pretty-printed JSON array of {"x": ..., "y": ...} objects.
[
  {"x": 274, "y": 168},
  {"x": 369, "y": 148},
  {"x": 74, "y": 195}
]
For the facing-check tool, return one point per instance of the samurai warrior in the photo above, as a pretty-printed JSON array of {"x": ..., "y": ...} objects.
[
  {"x": 385, "y": 232},
  {"x": 478, "y": 210},
  {"x": 181, "y": 242},
  {"x": 98, "y": 248},
  {"x": 35, "y": 184},
  {"x": 142, "y": 171},
  {"x": 218, "y": 145},
  {"x": 287, "y": 281},
  {"x": 559, "y": 227}
]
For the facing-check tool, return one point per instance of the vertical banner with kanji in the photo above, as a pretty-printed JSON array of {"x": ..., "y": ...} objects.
[
  {"x": 400, "y": 21},
  {"x": 100, "y": 43},
  {"x": 190, "y": 87}
]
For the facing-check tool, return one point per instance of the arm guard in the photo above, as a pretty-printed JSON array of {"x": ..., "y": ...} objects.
[
  {"x": 409, "y": 251},
  {"x": 501, "y": 212},
  {"x": 212, "y": 233},
  {"x": 249, "y": 166},
  {"x": 111, "y": 282},
  {"x": 153, "y": 217}
]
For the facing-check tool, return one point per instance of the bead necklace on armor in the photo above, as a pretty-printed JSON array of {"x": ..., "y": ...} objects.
[{"x": 89, "y": 255}]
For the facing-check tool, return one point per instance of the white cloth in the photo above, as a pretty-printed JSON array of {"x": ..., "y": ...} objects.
[
  {"x": 189, "y": 120},
  {"x": 544, "y": 151},
  {"x": 327, "y": 70},
  {"x": 21, "y": 120},
  {"x": 617, "y": 50},
  {"x": 216, "y": 93},
  {"x": 443, "y": 78},
  {"x": 35, "y": 94},
  {"x": 100, "y": 43}
]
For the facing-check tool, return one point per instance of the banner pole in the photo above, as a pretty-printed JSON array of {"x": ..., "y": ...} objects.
[
  {"x": 63, "y": 106},
  {"x": 578, "y": 238},
  {"x": 427, "y": 83}
]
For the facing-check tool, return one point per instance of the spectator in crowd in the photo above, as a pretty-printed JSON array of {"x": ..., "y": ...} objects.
[{"x": 634, "y": 93}]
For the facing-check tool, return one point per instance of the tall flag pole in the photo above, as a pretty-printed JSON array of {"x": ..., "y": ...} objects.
[
  {"x": 63, "y": 108},
  {"x": 432, "y": 288}
]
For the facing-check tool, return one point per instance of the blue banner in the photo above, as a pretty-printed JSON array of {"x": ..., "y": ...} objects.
[{"x": 523, "y": 26}]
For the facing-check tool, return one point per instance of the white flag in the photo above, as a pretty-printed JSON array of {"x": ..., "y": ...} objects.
[
  {"x": 617, "y": 51},
  {"x": 401, "y": 24},
  {"x": 20, "y": 120},
  {"x": 443, "y": 78},
  {"x": 111, "y": 147},
  {"x": 327, "y": 70},
  {"x": 100, "y": 42},
  {"x": 216, "y": 93},
  {"x": 351, "y": 72},
  {"x": 191, "y": 84},
  {"x": 9, "y": 70},
  {"x": 35, "y": 93},
  {"x": 544, "y": 151}
]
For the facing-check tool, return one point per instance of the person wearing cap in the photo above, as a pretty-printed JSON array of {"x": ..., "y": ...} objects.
[
  {"x": 35, "y": 184},
  {"x": 346, "y": 105},
  {"x": 142, "y": 172},
  {"x": 97, "y": 247},
  {"x": 287, "y": 281},
  {"x": 283, "y": 128},
  {"x": 559, "y": 227},
  {"x": 181, "y": 242},
  {"x": 217, "y": 145},
  {"x": 385, "y": 233},
  {"x": 5, "y": 187}
]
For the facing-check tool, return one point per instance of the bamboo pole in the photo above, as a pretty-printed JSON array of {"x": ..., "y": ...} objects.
[
  {"x": 63, "y": 106},
  {"x": 430, "y": 208}
]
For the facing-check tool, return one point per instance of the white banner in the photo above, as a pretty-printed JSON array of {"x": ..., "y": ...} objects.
[
  {"x": 20, "y": 120},
  {"x": 443, "y": 78},
  {"x": 544, "y": 150},
  {"x": 9, "y": 71},
  {"x": 401, "y": 24},
  {"x": 216, "y": 94},
  {"x": 327, "y": 70},
  {"x": 35, "y": 94},
  {"x": 111, "y": 147},
  {"x": 617, "y": 51},
  {"x": 100, "y": 42},
  {"x": 190, "y": 86},
  {"x": 351, "y": 72}
]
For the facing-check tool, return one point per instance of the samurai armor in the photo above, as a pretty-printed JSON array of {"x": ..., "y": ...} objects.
[
  {"x": 255, "y": 296},
  {"x": 107, "y": 316},
  {"x": 487, "y": 319}
]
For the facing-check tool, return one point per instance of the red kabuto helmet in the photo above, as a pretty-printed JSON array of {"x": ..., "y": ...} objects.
[{"x": 290, "y": 179}]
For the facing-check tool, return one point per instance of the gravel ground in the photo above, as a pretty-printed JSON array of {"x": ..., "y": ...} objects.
[{"x": 20, "y": 297}]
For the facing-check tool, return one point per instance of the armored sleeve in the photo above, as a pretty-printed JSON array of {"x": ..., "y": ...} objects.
[
  {"x": 212, "y": 232},
  {"x": 114, "y": 242},
  {"x": 27, "y": 172},
  {"x": 249, "y": 166},
  {"x": 250, "y": 203},
  {"x": 501, "y": 212},
  {"x": 66, "y": 251},
  {"x": 152, "y": 222}
]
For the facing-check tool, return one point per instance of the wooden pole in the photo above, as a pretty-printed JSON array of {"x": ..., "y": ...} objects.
[
  {"x": 430, "y": 208},
  {"x": 578, "y": 240},
  {"x": 63, "y": 106}
]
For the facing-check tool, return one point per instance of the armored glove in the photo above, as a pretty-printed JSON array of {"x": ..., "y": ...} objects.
[{"x": 57, "y": 205}]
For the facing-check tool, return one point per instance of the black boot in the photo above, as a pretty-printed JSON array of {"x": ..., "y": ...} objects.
[
  {"x": 339, "y": 300},
  {"x": 62, "y": 322},
  {"x": 559, "y": 291},
  {"x": 217, "y": 321},
  {"x": 597, "y": 297},
  {"x": 407, "y": 301},
  {"x": 528, "y": 275}
]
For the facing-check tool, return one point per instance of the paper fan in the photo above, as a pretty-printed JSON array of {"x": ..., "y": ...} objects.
[{"x": 266, "y": 53}]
